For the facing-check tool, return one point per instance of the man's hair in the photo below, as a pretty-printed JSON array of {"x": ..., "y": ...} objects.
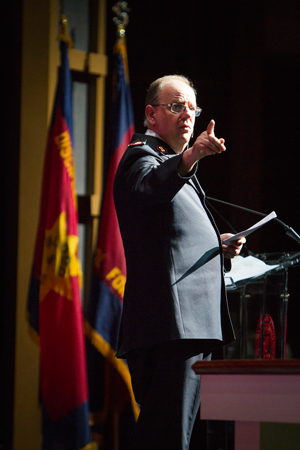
[{"x": 156, "y": 87}]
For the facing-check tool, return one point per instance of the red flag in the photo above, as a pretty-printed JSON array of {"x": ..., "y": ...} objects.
[
  {"x": 109, "y": 274},
  {"x": 54, "y": 303}
]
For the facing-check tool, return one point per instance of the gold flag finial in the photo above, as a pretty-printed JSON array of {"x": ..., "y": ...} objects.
[
  {"x": 64, "y": 31},
  {"x": 121, "y": 18}
]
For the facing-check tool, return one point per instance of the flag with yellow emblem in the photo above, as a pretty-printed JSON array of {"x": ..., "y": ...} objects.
[
  {"x": 54, "y": 300},
  {"x": 109, "y": 271}
]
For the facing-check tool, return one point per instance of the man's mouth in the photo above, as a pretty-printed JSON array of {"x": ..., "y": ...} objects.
[{"x": 186, "y": 127}]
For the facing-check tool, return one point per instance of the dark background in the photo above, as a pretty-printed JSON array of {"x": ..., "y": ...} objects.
[{"x": 244, "y": 59}]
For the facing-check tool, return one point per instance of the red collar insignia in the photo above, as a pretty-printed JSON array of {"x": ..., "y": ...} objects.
[{"x": 162, "y": 149}]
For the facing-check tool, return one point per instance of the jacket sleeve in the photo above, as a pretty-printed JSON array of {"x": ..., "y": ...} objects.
[{"x": 149, "y": 176}]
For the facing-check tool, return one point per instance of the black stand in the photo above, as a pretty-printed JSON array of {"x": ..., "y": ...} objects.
[{"x": 262, "y": 303}]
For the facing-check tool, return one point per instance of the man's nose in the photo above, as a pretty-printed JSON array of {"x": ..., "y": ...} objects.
[{"x": 187, "y": 111}]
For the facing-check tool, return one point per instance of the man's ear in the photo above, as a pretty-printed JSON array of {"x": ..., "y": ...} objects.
[{"x": 150, "y": 114}]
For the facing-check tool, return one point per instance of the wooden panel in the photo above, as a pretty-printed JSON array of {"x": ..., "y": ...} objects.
[
  {"x": 248, "y": 366},
  {"x": 97, "y": 64}
]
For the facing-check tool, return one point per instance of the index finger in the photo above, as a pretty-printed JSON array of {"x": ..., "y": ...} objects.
[{"x": 219, "y": 143}]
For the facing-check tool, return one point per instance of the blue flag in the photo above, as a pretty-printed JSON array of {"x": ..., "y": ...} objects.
[{"x": 109, "y": 272}]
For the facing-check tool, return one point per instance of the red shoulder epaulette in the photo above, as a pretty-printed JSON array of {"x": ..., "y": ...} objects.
[{"x": 135, "y": 143}]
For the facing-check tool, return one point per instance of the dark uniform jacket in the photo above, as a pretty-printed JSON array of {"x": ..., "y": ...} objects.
[{"x": 175, "y": 285}]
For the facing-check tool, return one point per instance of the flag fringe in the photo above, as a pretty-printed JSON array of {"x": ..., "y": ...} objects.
[
  {"x": 121, "y": 48},
  {"x": 105, "y": 349},
  {"x": 89, "y": 446}
]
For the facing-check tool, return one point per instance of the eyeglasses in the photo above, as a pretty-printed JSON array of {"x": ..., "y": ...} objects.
[{"x": 177, "y": 108}]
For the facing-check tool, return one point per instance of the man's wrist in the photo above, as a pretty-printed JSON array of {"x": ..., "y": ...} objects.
[
  {"x": 187, "y": 163},
  {"x": 187, "y": 166}
]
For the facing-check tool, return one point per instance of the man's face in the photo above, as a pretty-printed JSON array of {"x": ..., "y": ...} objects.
[{"x": 174, "y": 129}]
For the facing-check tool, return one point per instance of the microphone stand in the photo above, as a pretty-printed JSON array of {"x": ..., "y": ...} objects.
[
  {"x": 245, "y": 250},
  {"x": 288, "y": 230},
  {"x": 234, "y": 231}
]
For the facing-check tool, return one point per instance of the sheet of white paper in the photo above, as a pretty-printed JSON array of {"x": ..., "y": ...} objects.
[
  {"x": 254, "y": 227},
  {"x": 245, "y": 268}
]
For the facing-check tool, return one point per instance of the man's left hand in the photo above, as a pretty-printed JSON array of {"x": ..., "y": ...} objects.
[{"x": 233, "y": 249}]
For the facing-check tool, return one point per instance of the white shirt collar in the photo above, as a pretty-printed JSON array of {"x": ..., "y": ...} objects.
[{"x": 152, "y": 133}]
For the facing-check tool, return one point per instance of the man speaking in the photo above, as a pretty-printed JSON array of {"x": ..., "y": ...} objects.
[{"x": 175, "y": 309}]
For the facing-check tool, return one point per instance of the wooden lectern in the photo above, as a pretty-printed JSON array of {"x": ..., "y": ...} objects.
[
  {"x": 254, "y": 383},
  {"x": 249, "y": 392}
]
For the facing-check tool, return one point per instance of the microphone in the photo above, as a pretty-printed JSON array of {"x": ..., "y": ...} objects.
[{"x": 288, "y": 230}]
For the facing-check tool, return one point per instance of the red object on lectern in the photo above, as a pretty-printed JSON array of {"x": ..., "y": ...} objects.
[{"x": 259, "y": 311}]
